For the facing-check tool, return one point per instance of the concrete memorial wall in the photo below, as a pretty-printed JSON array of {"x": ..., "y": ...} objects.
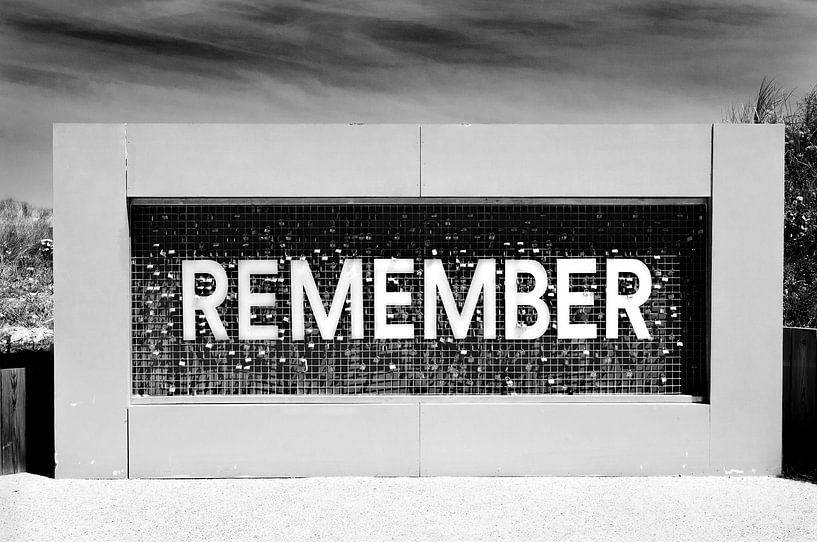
[{"x": 417, "y": 300}]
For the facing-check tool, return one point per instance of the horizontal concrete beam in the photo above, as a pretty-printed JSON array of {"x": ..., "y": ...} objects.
[
  {"x": 167, "y": 160},
  {"x": 226, "y": 441},
  {"x": 504, "y": 439},
  {"x": 566, "y": 160}
]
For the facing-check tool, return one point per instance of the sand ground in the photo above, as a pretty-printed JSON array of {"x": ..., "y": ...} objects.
[{"x": 660, "y": 508}]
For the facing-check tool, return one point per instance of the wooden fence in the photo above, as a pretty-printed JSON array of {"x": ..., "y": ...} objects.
[
  {"x": 27, "y": 413},
  {"x": 799, "y": 398}
]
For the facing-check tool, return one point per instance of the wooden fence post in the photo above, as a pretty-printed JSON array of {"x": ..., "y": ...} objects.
[
  {"x": 12, "y": 420},
  {"x": 799, "y": 398}
]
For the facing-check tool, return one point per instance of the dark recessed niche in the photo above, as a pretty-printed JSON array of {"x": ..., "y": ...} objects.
[{"x": 670, "y": 238}]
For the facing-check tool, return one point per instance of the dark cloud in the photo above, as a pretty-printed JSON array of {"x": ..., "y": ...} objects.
[
  {"x": 411, "y": 33},
  {"x": 121, "y": 51},
  {"x": 363, "y": 39},
  {"x": 297, "y": 13},
  {"x": 367, "y": 45},
  {"x": 49, "y": 79},
  {"x": 92, "y": 34},
  {"x": 669, "y": 14},
  {"x": 412, "y": 40},
  {"x": 526, "y": 26}
]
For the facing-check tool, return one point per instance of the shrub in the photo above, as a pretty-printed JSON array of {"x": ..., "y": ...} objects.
[
  {"x": 22, "y": 228},
  {"x": 26, "y": 272},
  {"x": 774, "y": 105}
]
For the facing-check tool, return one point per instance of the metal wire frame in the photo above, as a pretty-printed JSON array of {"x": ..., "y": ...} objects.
[{"x": 671, "y": 235}]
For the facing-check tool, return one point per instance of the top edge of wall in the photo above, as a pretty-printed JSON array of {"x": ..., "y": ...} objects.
[{"x": 418, "y": 160}]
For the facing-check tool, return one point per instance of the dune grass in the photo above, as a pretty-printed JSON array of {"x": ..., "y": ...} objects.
[
  {"x": 26, "y": 270},
  {"x": 772, "y": 104}
]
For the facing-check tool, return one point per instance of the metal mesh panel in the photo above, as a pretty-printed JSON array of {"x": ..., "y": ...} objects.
[{"x": 671, "y": 239}]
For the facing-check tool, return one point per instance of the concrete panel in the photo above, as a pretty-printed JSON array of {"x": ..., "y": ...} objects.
[
  {"x": 747, "y": 298},
  {"x": 274, "y": 440},
  {"x": 563, "y": 439},
  {"x": 273, "y": 160},
  {"x": 566, "y": 160},
  {"x": 91, "y": 301}
]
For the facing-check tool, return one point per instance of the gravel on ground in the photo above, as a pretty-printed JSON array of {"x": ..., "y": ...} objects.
[{"x": 655, "y": 508}]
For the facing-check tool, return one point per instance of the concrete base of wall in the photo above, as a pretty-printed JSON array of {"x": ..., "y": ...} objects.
[{"x": 426, "y": 439}]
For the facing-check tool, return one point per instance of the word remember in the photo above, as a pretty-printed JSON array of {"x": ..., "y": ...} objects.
[{"x": 435, "y": 285}]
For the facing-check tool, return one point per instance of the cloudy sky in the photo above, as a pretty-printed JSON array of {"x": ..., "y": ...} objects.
[{"x": 378, "y": 61}]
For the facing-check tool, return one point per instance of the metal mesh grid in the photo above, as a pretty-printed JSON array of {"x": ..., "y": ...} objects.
[{"x": 670, "y": 238}]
